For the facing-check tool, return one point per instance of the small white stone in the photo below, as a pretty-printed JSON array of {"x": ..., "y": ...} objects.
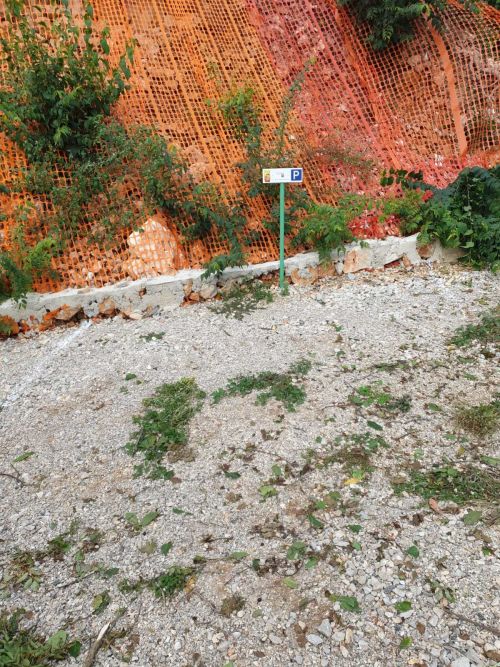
[
  {"x": 461, "y": 662},
  {"x": 274, "y": 639},
  {"x": 315, "y": 640},
  {"x": 325, "y": 628}
]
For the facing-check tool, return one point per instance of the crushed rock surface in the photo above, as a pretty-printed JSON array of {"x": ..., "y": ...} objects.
[{"x": 64, "y": 397}]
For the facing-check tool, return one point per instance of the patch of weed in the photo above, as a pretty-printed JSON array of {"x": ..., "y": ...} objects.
[
  {"x": 487, "y": 331},
  {"x": 448, "y": 483},
  {"x": 389, "y": 367},
  {"x": 242, "y": 300},
  {"x": 138, "y": 524},
  {"x": 147, "y": 338},
  {"x": 441, "y": 591},
  {"x": 347, "y": 602},
  {"x": 58, "y": 547},
  {"x": 281, "y": 386},
  {"x": 164, "y": 426},
  {"x": 171, "y": 582},
  {"x": 368, "y": 395},
  {"x": 100, "y": 602},
  {"x": 24, "y": 648},
  {"x": 22, "y": 572},
  {"x": 480, "y": 420},
  {"x": 355, "y": 451}
]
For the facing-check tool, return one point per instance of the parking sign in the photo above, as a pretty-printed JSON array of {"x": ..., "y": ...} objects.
[{"x": 288, "y": 175}]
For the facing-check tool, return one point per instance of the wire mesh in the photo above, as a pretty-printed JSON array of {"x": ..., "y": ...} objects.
[{"x": 429, "y": 104}]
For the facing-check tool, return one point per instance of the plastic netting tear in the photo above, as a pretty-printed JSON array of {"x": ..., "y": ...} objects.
[{"x": 431, "y": 104}]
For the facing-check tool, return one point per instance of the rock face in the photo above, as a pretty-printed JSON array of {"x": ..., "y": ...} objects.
[
  {"x": 154, "y": 251},
  {"x": 357, "y": 260}
]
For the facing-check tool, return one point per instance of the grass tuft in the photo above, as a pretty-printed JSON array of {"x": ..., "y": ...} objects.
[{"x": 480, "y": 420}]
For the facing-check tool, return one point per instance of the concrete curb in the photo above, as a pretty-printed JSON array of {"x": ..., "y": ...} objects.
[{"x": 138, "y": 297}]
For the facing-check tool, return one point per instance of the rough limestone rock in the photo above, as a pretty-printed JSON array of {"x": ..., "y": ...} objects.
[
  {"x": 154, "y": 251},
  {"x": 357, "y": 260}
]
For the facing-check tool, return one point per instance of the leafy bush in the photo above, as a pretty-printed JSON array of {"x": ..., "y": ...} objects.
[
  {"x": 393, "y": 21},
  {"x": 326, "y": 227},
  {"x": 22, "y": 264},
  {"x": 59, "y": 81},
  {"x": 465, "y": 215}
]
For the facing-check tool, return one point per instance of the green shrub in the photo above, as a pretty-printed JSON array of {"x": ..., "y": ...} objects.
[
  {"x": 466, "y": 215},
  {"x": 242, "y": 112},
  {"x": 326, "y": 227},
  {"x": 56, "y": 107},
  {"x": 23, "y": 264},
  {"x": 393, "y": 21},
  {"x": 58, "y": 87}
]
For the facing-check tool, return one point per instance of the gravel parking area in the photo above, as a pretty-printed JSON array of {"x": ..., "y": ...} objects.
[{"x": 334, "y": 534}]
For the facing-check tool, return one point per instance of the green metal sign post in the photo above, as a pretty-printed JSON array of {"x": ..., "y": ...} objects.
[
  {"x": 282, "y": 237},
  {"x": 282, "y": 176}
]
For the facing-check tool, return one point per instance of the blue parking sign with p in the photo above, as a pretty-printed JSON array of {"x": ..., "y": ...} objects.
[{"x": 297, "y": 175}]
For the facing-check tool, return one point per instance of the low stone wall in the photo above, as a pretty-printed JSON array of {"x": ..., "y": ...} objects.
[{"x": 137, "y": 298}]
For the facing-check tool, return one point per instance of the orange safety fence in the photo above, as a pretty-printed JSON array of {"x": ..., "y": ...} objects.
[{"x": 429, "y": 104}]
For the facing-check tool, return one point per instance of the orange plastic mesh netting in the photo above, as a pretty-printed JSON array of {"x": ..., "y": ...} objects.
[{"x": 429, "y": 104}]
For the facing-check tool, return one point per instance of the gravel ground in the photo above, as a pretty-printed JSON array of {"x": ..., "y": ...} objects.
[{"x": 65, "y": 398}]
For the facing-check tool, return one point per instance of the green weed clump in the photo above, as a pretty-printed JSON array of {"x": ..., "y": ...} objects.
[
  {"x": 24, "y": 648},
  {"x": 375, "y": 395},
  {"x": 480, "y": 420},
  {"x": 487, "y": 331},
  {"x": 171, "y": 582},
  {"x": 449, "y": 483},
  {"x": 244, "y": 299},
  {"x": 164, "y": 426},
  {"x": 281, "y": 386}
]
